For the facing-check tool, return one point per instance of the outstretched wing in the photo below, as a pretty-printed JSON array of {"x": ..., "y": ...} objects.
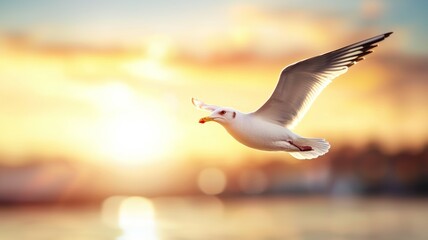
[
  {"x": 300, "y": 83},
  {"x": 203, "y": 106}
]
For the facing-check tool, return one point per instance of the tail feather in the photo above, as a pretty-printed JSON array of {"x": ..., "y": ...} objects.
[{"x": 319, "y": 146}]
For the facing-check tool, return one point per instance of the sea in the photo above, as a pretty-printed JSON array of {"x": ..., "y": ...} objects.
[{"x": 206, "y": 218}]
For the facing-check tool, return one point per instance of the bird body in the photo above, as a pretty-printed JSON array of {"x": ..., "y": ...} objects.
[
  {"x": 254, "y": 132},
  {"x": 269, "y": 127}
]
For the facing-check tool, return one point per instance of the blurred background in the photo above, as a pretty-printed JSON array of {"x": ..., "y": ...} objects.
[{"x": 99, "y": 139}]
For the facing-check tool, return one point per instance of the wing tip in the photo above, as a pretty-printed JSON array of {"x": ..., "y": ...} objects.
[
  {"x": 387, "y": 34},
  {"x": 368, "y": 49}
]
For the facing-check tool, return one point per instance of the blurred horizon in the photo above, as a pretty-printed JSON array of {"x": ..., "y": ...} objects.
[{"x": 346, "y": 172}]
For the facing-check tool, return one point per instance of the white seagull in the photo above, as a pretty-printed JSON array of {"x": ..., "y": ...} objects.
[{"x": 299, "y": 84}]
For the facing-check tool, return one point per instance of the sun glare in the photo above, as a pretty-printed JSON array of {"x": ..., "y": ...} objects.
[
  {"x": 136, "y": 137},
  {"x": 135, "y": 128}
]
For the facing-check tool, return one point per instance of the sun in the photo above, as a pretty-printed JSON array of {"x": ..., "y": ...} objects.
[
  {"x": 136, "y": 138},
  {"x": 135, "y": 129}
]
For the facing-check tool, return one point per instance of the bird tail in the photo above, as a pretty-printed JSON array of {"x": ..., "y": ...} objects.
[{"x": 319, "y": 147}]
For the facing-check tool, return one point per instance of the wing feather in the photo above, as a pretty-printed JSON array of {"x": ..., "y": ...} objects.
[{"x": 300, "y": 83}]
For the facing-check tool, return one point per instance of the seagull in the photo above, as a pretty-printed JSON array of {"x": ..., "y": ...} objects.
[{"x": 269, "y": 127}]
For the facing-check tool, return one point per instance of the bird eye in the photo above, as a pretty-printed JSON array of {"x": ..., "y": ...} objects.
[{"x": 222, "y": 112}]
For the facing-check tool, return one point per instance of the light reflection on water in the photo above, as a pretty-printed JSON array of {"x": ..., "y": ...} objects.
[
  {"x": 135, "y": 216},
  {"x": 131, "y": 218}
]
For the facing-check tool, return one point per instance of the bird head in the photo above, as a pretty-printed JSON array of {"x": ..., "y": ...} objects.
[{"x": 220, "y": 115}]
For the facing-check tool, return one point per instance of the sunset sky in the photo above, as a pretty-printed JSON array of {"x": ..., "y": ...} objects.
[{"x": 112, "y": 80}]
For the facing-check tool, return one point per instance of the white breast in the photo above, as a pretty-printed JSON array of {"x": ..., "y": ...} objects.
[{"x": 258, "y": 133}]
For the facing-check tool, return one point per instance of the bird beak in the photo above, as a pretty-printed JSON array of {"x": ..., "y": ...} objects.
[{"x": 205, "y": 119}]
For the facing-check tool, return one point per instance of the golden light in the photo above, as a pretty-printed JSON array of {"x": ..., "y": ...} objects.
[
  {"x": 134, "y": 215},
  {"x": 133, "y": 138},
  {"x": 134, "y": 129}
]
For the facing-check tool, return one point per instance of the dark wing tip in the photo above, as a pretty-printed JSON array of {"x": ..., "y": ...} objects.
[
  {"x": 350, "y": 55},
  {"x": 387, "y": 34}
]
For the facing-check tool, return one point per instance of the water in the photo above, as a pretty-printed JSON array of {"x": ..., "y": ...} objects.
[{"x": 205, "y": 218}]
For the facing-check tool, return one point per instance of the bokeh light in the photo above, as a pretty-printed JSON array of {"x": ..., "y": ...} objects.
[{"x": 212, "y": 181}]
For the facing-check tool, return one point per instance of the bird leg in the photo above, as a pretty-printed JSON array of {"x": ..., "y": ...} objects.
[{"x": 301, "y": 148}]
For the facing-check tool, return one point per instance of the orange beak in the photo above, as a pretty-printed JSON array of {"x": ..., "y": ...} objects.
[{"x": 205, "y": 119}]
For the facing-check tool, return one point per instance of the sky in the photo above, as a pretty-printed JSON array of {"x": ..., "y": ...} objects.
[{"x": 111, "y": 81}]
